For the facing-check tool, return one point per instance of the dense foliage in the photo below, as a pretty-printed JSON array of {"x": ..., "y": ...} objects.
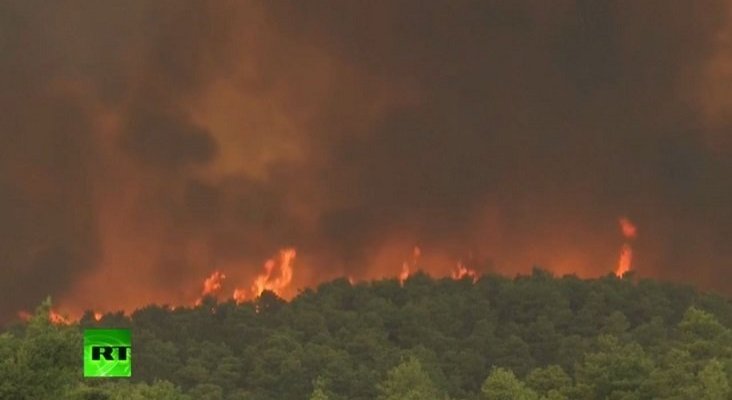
[{"x": 532, "y": 337}]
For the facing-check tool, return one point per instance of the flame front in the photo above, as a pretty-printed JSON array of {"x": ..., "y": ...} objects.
[{"x": 629, "y": 232}]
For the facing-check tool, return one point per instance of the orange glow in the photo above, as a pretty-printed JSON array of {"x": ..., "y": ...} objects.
[
  {"x": 461, "y": 271},
  {"x": 57, "y": 319},
  {"x": 98, "y": 316},
  {"x": 629, "y": 230},
  {"x": 24, "y": 315}
]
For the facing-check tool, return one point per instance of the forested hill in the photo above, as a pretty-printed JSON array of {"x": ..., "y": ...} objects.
[{"x": 531, "y": 337}]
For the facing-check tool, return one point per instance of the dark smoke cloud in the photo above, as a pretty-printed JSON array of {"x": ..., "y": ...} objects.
[
  {"x": 167, "y": 142},
  {"x": 167, "y": 139}
]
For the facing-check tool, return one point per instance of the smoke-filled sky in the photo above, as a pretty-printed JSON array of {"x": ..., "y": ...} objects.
[{"x": 145, "y": 144}]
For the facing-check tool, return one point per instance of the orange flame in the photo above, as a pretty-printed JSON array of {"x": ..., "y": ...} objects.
[
  {"x": 98, "y": 316},
  {"x": 211, "y": 285},
  {"x": 57, "y": 319},
  {"x": 407, "y": 266},
  {"x": 461, "y": 271},
  {"x": 272, "y": 278},
  {"x": 626, "y": 252},
  {"x": 239, "y": 296},
  {"x": 54, "y": 317},
  {"x": 405, "y": 273},
  {"x": 626, "y": 260}
]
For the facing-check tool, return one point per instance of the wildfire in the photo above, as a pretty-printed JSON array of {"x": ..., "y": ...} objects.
[
  {"x": 57, "y": 319},
  {"x": 404, "y": 274},
  {"x": 408, "y": 265},
  {"x": 269, "y": 279},
  {"x": 276, "y": 276},
  {"x": 98, "y": 316},
  {"x": 54, "y": 317},
  {"x": 211, "y": 285},
  {"x": 239, "y": 295},
  {"x": 626, "y": 252},
  {"x": 461, "y": 271}
]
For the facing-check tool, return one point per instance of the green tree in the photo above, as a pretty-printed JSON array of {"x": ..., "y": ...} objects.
[
  {"x": 206, "y": 391},
  {"x": 158, "y": 390},
  {"x": 502, "y": 384},
  {"x": 615, "y": 369},
  {"x": 712, "y": 383},
  {"x": 551, "y": 379},
  {"x": 319, "y": 391},
  {"x": 43, "y": 363},
  {"x": 408, "y": 381}
]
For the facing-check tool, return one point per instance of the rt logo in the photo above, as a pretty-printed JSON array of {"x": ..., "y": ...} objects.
[{"x": 107, "y": 353}]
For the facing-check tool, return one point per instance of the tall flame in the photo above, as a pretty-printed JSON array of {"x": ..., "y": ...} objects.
[
  {"x": 276, "y": 277},
  {"x": 626, "y": 252}
]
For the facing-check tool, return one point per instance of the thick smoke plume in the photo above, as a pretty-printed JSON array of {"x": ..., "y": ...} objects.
[{"x": 146, "y": 144}]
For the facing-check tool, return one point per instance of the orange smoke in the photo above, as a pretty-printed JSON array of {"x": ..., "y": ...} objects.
[
  {"x": 461, "y": 271},
  {"x": 626, "y": 252},
  {"x": 629, "y": 230}
]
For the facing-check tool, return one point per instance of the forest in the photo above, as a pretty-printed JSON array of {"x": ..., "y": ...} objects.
[{"x": 530, "y": 337}]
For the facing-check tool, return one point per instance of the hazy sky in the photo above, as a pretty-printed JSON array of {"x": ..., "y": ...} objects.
[{"x": 144, "y": 144}]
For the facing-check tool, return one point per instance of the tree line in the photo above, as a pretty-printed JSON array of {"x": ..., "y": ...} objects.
[{"x": 533, "y": 337}]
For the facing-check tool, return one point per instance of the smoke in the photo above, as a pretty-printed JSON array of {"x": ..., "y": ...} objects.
[{"x": 148, "y": 144}]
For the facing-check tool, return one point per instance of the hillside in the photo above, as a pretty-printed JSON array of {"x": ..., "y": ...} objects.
[{"x": 530, "y": 337}]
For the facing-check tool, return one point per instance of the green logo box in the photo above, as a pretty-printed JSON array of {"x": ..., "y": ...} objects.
[{"x": 107, "y": 353}]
